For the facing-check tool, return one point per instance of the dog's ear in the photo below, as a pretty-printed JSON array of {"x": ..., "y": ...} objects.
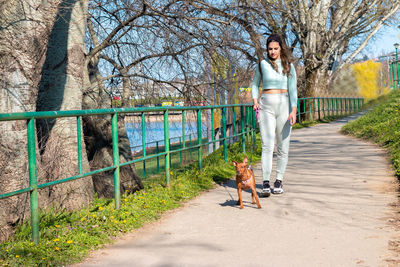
[
  {"x": 234, "y": 163},
  {"x": 245, "y": 160}
]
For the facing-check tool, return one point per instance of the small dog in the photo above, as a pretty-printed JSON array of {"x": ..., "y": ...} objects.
[{"x": 245, "y": 180}]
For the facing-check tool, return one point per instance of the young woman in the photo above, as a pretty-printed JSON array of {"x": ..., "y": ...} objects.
[{"x": 277, "y": 109}]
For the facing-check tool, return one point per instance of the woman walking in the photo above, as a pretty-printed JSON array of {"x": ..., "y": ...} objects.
[{"x": 277, "y": 109}]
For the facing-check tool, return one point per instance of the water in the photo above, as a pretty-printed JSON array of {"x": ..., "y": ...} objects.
[{"x": 155, "y": 132}]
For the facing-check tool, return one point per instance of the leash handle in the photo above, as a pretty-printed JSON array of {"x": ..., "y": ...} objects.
[{"x": 257, "y": 113}]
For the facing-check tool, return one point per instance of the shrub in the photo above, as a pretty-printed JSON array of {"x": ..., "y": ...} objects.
[{"x": 367, "y": 74}]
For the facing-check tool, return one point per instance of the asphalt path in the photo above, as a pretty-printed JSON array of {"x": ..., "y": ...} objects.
[{"x": 335, "y": 211}]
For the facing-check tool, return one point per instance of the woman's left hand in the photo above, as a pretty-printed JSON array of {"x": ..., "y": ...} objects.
[{"x": 292, "y": 116}]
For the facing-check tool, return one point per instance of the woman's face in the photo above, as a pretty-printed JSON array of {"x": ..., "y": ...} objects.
[{"x": 274, "y": 50}]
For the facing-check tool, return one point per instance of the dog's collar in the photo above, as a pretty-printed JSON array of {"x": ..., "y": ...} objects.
[{"x": 245, "y": 181}]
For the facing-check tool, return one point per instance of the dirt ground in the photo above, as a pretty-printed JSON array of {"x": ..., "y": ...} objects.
[{"x": 340, "y": 208}]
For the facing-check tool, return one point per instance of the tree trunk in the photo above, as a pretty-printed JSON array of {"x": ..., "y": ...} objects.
[
  {"x": 311, "y": 81},
  {"x": 61, "y": 89},
  {"x": 98, "y": 139},
  {"x": 24, "y": 30}
]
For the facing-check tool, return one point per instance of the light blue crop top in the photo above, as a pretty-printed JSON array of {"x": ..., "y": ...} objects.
[{"x": 274, "y": 80}]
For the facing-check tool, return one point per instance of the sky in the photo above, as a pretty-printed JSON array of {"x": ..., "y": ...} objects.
[{"x": 383, "y": 42}]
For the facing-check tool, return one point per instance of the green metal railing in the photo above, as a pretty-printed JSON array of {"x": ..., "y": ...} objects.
[
  {"x": 241, "y": 127},
  {"x": 247, "y": 122},
  {"x": 313, "y": 108}
]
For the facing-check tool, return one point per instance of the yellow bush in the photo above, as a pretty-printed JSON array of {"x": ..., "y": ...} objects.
[{"x": 367, "y": 74}]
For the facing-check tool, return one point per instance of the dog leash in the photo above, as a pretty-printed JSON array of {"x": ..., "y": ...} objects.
[
  {"x": 251, "y": 154},
  {"x": 252, "y": 140}
]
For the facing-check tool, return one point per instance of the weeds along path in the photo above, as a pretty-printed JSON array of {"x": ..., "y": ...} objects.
[{"x": 337, "y": 210}]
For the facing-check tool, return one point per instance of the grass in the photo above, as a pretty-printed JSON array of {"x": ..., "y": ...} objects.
[
  {"x": 67, "y": 237},
  {"x": 381, "y": 125}
]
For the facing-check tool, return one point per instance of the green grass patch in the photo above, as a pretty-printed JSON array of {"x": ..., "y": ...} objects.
[
  {"x": 381, "y": 125},
  {"x": 67, "y": 237}
]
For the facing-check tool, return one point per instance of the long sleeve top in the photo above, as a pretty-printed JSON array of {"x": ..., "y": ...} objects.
[{"x": 275, "y": 80}]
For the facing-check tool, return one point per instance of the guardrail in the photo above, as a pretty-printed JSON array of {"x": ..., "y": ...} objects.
[
  {"x": 240, "y": 128},
  {"x": 247, "y": 127}
]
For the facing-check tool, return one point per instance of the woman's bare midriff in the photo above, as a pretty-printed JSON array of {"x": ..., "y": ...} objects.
[{"x": 274, "y": 91}]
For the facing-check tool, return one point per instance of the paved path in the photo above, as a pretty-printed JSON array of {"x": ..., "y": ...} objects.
[{"x": 334, "y": 212}]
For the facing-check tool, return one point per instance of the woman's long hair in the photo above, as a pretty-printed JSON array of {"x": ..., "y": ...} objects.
[{"x": 285, "y": 56}]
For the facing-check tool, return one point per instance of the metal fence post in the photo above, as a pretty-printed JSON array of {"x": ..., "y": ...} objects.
[
  {"x": 313, "y": 107},
  {"x": 341, "y": 106},
  {"x": 212, "y": 129},
  {"x": 117, "y": 193},
  {"x": 144, "y": 143},
  {"x": 158, "y": 158},
  {"x": 180, "y": 152},
  {"x": 298, "y": 110},
  {"x": 349, "y": 104},
  {"x": 170, "y": 154},
  {"x": 329, "y": 106},
  {"x": 166, "y": 146},
  {"x": 79, "y": 136},
  {"x": 190, "y": 144},
  {"x": 233, "y": 123},
  {"x": 224, "y": 134},
  {"x": 243, "y": 129},
  {"x": 336, "y": 106},
  {"x": 33, "y": 181},
  {"x": 247, "y": 123},
  {"x": 199, "y": 138},
  {"x": 183, "y": 135}
]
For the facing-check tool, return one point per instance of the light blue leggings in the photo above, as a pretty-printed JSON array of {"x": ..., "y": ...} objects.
[{"x": 274, "y": 113}]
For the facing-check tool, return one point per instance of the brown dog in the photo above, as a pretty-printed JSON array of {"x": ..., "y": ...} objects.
[{"x": 245, "y": 180}]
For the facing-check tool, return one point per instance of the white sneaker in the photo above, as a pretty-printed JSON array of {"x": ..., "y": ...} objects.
[
  {"x": 266, "y": 190},
  {"x": 277, "y": 187}
]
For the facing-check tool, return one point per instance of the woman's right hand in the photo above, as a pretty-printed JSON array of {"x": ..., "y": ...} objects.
[{"x": 255, "y": 105}]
